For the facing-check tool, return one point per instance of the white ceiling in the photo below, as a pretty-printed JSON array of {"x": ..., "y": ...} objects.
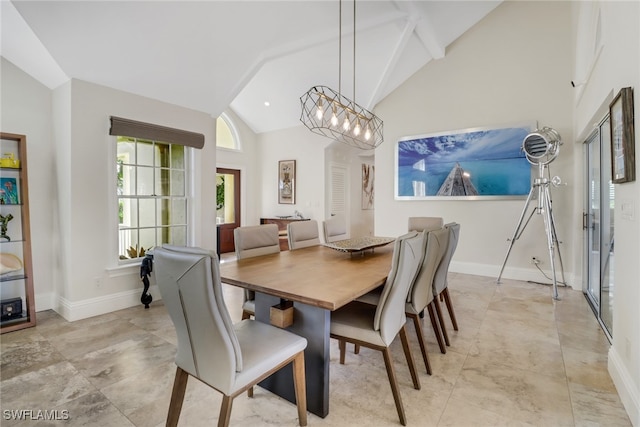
[{"x": 209, "y": 55}]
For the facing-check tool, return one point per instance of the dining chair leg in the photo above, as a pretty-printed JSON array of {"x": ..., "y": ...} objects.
[
  {"x": 177, "y": 397},
  {"x": 300, "y": 388},
  {"x": 394, "y": 385},
  {"x": 225, "y": 411},
  {"x": 436, "y": 328},
  {"x": 342, "y": 345},
  {"x": 417, "y": 322},
  {"x": 441, "y": 321},
  {"x": 246, "y": 315},
  {"x": 356, "y": 348},
  {"x": 250, "y": 392},
  {"x": 407, "y": 353},
  {"x": 452, "y": 315}
]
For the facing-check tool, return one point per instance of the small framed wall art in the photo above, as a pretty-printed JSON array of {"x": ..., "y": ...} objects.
[
  {"x": 287, "y": 182},
  {"x": 623, "y": 155}
]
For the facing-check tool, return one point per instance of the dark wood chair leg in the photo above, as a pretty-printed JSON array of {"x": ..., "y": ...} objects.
[
  {"x": 177, "y": 397},
  {"x": 436, "y": 328},
  {"x": 246, "y": 315},
  {"x": 394, "y": 385},
  {"x": 342, "y": 345},
  {"x": 417, "y": 322},
  {"x": 407, "y": 353},
  {"x": 300, "y": 388},
  {"x": 225, "y": 411},
  {"x": 452, "y": 314},
  {"x": 441, "y": 321},
  {"x": 356, "y": 349}
]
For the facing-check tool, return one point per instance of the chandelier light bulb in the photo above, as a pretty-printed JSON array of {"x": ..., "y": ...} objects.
[
  {"x": 357, "y": 129},
  {"x": 346, "y": 124},
  {"x": 367, "y": 133},
  {"x": 319, "y": 110},
  {"x": 334, "y": 118}
]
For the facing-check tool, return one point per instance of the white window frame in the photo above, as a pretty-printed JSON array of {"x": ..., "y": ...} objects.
[{"x": 115, "y": 243}]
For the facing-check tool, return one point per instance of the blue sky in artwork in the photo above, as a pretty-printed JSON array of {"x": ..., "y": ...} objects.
[{"x": 464, "y": 146}]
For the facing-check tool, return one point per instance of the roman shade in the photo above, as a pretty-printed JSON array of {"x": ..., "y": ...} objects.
[{"x": 133, "y": 128}]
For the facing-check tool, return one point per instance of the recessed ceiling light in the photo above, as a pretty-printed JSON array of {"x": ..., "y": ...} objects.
[{"x": 267, "y": 103}]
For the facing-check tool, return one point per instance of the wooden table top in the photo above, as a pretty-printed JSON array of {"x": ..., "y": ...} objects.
[{"x": 316, "y": 275}]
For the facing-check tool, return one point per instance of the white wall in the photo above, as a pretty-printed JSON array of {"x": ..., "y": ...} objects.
[
  {"x": 616, "y": 66},
  {"x": 26, "y": 109},
  {"x": 511, "y": 67},
  {"x": 308, "y": 150}
]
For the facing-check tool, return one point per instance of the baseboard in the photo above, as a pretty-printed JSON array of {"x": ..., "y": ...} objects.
[
  {"x": 77, "y": 310},
  {"x": 525, "y": 274},
  {"x": 627, "y": 390}
]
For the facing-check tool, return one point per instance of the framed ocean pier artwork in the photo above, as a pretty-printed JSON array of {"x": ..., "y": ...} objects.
[{"x": 470, "y": 164}]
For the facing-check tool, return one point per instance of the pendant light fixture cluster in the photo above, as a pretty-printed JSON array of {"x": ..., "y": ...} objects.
[{"x": 331, "y": 114}]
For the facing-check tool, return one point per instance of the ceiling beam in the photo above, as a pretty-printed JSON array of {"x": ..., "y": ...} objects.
[
  {"x": 404, "y": 38},
  {"x": 424, "y": 29}
]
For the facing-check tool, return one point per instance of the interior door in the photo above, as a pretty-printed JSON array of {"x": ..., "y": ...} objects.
[
  {"x": 339, "y": 185},
  {"x": 227, "y": 207}
]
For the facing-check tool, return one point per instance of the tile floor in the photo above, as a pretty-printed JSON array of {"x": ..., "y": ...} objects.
[{"x": 519, "y": 359}]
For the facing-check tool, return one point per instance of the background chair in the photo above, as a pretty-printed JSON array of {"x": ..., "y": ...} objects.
[
  {"x": 251, "y": 241},
  {"x": 335, "y": 228},
  {"x": 229, "y": 358},
  {"x": 421, "y": 293},
  {"x": 303, "y": 234},
  {"x": 377, "y": 326},
  {"x": 421, "y": 223},
  {"x": 440, "y": 284}
]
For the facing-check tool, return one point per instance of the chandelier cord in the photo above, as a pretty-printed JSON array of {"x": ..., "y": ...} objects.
[
  {"x": 340, "y": 50},
  {"x": 354, "y": 51}
]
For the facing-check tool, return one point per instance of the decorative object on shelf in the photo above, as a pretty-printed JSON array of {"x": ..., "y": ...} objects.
[
  {"x": 331, "y": 114},
  {"x": 145, "y": 271},
  {"x": 11, "y": 309},
  {"x": 287, "y": 182},
  {"x": 9, "y": 191},
  {"x": 4, "y": 224},
  {"x": 9, "y": 263},
  {"x": 9, "y": 161},
  {"x": 471, "y": 164},
  {"x": 623, "y": 155}
]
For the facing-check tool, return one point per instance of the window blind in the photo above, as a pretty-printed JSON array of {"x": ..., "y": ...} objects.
[{"x": 133, "y": 128}]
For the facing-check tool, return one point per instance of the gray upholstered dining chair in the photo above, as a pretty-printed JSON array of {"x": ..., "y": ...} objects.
[
  {"x": 335, "y": 228},
  {"x": 376, "y": 327},
  {"x": 251, "y": 241},
  {"x": 440, "y": 283},
  {"x": 231, "y": 358},
  {"x": 302, "y": 234},
  {"x": 421, "y": 223},
  {"x": 420, "y": 296}
]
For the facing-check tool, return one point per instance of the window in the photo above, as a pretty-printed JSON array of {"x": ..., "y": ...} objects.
[
  {"x": 152, "y": 195},
  {"x": 226, "y": 136}
]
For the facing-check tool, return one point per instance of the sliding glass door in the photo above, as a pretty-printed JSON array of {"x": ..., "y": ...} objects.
[{"x": 599, "y": 225}]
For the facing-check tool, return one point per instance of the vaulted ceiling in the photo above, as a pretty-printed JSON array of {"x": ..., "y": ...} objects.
[{"x": 212, "y": 55}]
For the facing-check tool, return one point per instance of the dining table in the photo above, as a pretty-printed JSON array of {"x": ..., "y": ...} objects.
[{"x": 316, "y": 280}]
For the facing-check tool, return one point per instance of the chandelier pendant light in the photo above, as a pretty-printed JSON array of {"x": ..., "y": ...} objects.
[{"x": 331, "y": 114}]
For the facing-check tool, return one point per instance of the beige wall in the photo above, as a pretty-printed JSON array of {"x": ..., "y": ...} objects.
[{"x": 504, "y": 70}]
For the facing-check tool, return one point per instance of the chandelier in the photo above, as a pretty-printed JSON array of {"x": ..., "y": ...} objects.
[{"x": 331, "y": 114}]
